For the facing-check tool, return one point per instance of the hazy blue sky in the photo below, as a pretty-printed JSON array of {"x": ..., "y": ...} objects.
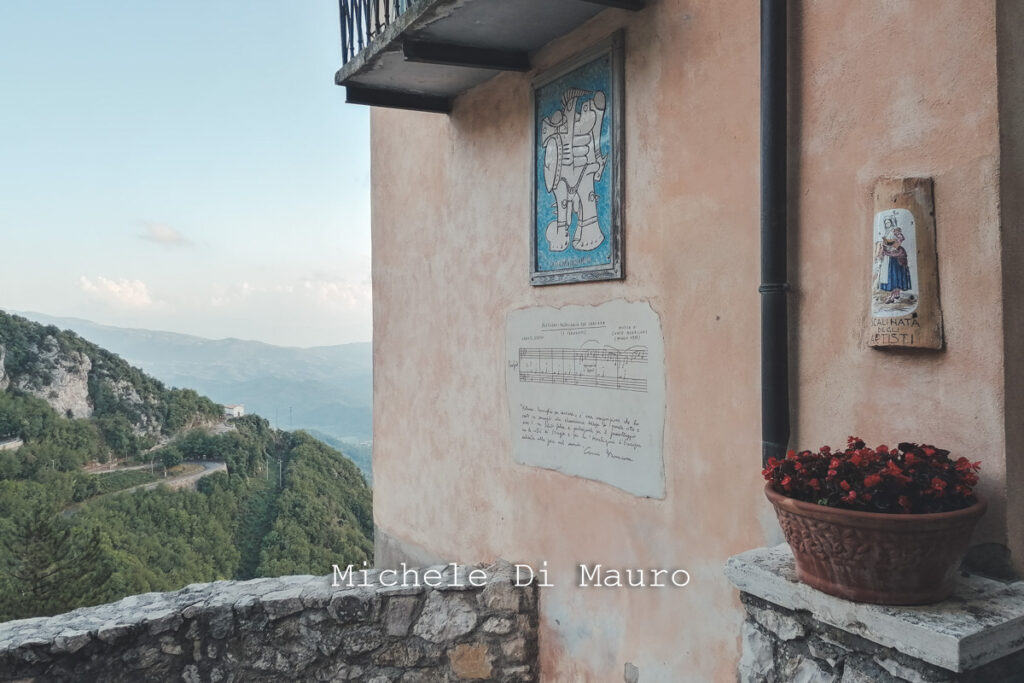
[{"x": 184, "y": 165}]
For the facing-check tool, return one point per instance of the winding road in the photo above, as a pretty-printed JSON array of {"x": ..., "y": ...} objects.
[{"x": 185, "y": 480}]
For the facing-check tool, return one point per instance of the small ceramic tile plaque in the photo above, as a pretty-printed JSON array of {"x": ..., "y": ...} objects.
[{"x": 905, "y": 309}]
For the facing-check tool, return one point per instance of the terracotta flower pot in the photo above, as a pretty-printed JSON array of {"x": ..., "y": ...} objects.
[{"x": 889, "y": 559}]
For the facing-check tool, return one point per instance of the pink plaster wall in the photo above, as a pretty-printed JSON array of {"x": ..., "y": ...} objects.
[
  {"x": 908, "y": 88},
  {"x": 877, "y": 98}
]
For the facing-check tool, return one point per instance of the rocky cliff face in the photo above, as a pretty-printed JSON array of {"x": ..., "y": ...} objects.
[
  {"x": 63, "y": 379},
  {"x": 4, "y": 381},
  {"x": 79, "y": 379}
]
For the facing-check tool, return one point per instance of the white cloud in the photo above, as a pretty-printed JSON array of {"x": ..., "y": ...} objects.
[
  {"x": 307, "y": 310},
  {"x": 338, "y": 293},
  {"x": 313, "y": 292},
  {"x": 124, "y": 293},
  {"x": 164, "y": 234}
]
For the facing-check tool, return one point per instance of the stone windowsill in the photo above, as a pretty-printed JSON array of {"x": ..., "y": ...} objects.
[{"x": 982, "y": 621}]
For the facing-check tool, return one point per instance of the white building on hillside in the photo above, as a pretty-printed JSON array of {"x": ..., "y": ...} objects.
[{"x": 234, "y": 410}]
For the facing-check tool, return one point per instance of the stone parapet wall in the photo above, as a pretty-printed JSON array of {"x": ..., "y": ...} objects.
[
  {"x": 795, "y": 633},
  {"x": 780, "y": 646},
  {"x": 297, "y": 628}
]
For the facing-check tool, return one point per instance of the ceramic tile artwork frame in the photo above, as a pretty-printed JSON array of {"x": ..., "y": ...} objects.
[{"x": 564, "y": 251}]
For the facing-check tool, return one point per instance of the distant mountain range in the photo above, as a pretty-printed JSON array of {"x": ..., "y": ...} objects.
[{"x": 327, "y": 389}]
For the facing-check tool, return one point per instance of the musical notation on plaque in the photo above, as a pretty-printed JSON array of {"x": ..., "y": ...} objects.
[
  {"x": 586, "y": 392},
  {"x": 589, "y": 365}
]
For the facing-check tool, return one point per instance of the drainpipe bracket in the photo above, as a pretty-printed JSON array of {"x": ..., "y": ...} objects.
[{"x": 774, "y": 288}]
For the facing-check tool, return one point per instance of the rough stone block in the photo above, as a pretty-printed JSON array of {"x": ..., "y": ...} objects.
[
  {"x": 825, "y": 651},
  {"x": 169, "y": 646},
  {"x": 804, "y": 670},
  {"x": 361, "y": 639},
  {"x": 350, "y": 606},
  {"x": 514, "y": 650},
  {"x": 498, "y": 625},
  {"x": 398, "y": 615},
  {"x": 221, "y": 621},
  {"x": 445, "y": 617},
  {"x": 471, "y": 662},
  {"x": 164, "y": 620},
  {"x": 70, "y": 642},
  {"x": 111, "y": 633},
  {"x": 142, "y": 657},
  {"x": 283, "y": 603},
  {"x": 782, "y": 625},
  {"x": 517, "y": 674},
  {"x": 757, "y": 658},
  {"x": 501, "y": 595},
  {"x": 909, "y": 673}
]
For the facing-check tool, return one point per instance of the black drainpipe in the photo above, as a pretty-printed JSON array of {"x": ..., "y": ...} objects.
[{"x": 774, "y": 313}]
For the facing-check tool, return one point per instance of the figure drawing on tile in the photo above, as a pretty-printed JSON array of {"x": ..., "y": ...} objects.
[
  {"x": 895, "y": 264},
  {"x": 573, "y": 164},
  {"x": 577, "y": 183}
]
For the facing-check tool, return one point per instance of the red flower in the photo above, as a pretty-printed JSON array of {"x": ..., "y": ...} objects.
[
  {"x": 921, "y": 478},
  {"x": 965, "y": 465},
  {"x": 892, "y": 469}
]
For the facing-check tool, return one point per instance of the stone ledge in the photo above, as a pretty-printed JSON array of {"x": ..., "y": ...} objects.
[
  {"x": 982, "y": 621},
  {"x": 295, "y": 628}
]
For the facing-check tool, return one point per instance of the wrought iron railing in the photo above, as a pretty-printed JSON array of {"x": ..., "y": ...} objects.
[{"x": 363, "y": 20}]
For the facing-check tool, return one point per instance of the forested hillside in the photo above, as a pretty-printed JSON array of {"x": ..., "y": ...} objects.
[
  {"x": 130, "y": 410},
  {"x": 327, "y": 389},
  {"x": 288, "y": 503}
]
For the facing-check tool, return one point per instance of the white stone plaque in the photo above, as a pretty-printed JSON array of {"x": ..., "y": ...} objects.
[{"x": 586, "y": 392}]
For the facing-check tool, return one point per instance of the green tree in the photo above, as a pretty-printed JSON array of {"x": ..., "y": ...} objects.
[
  {"x": 171, "y": 456},
  {"x": 48, "y": 566}
]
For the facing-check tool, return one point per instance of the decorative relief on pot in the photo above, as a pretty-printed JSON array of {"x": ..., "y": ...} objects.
[{"x": 876, "y": 557}]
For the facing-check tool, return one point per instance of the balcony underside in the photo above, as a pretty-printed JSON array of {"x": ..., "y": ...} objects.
[{"x": 438, "y": 49}]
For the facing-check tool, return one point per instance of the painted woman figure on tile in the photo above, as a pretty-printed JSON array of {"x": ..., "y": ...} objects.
[
  {"x": 894, "y": 273},
  {"x": 894, "y": 269}
]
